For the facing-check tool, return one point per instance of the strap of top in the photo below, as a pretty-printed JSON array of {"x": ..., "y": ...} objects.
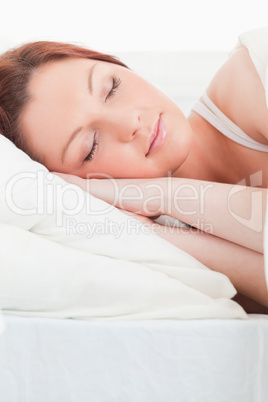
[{"x": 222, "y": 123}]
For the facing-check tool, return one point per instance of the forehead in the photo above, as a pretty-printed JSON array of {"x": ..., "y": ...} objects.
[
  {"x": 53, "y": 74},
  {"x": 56, "y": 92}
]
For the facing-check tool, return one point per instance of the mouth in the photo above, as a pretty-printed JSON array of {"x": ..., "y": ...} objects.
[{"x": 158, "y": 136}]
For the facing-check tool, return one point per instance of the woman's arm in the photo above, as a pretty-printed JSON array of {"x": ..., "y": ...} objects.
[
  {"x": 231, "y": 212},
  {"x": 238, "y": 92},
  {"x": 244, "y": 267},
  {"x": 229, "y": 218}
]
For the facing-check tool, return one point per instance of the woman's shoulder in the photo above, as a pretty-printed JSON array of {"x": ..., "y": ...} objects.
[
  {"x": 238, "y": 90},
  {"x": 256, "y": 41}
]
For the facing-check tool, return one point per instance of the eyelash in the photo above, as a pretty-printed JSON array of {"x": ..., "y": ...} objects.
[
  {"x": 93, "y": 150},
  {"x": 115, "y": 85}
]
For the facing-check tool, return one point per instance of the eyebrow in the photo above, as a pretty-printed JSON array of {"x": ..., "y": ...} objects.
[
  {"x": 77, "y": 131},
  {"x": 90, "y": 79}
]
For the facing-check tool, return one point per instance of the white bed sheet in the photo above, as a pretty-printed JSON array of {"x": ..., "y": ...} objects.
[{"x": 64, "y": 360}]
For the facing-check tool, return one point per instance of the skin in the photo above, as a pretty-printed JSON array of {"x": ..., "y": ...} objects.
[{"x": 122, "y": 124}]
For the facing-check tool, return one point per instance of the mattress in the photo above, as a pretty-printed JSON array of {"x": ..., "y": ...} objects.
[{"x": 64, "y": 360}]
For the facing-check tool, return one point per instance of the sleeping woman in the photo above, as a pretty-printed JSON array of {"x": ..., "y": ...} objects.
[{"x": 88, "y": 117}]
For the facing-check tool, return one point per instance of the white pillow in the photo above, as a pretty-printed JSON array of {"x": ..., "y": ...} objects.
[{"x": 50, "y": 267}]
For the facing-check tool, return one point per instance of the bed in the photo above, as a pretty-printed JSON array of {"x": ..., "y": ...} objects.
[
  {"x": 198, "y": 360},
  {"x": 51, "y": 349}
]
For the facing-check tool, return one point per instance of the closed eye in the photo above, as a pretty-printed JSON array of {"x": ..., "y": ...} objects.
[
  {"x": 93, "y": 151},
  {"x": 115, "y": 85}
]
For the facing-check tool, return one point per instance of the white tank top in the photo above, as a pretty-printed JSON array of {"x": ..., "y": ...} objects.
[{"x": 210, "y": 112}]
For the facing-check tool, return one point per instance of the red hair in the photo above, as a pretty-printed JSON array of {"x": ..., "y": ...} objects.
[{"x": 16, "y": 69}]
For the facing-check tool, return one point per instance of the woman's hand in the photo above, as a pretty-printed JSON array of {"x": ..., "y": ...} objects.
[
  {"x": 111, "y": 191},
  {"x": 141, "y": 196}
]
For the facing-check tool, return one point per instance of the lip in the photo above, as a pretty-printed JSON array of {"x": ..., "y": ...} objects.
[{"x": 158, "y": 136}]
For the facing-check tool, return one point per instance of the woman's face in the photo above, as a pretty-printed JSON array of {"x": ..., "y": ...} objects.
[{"x": 92, "y": 117}]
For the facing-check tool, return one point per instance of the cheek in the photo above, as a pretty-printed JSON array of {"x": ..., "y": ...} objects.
[
  {"x": 119, "y": 164},
  {"x": 123, "y": 160}
]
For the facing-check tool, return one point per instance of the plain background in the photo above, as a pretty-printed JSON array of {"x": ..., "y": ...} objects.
[
  {"x": 177, "y": 45},
  {"x": 123, "y": 25}
]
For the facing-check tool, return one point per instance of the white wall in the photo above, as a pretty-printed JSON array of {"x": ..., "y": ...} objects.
[{"x": 118, "y": 25}]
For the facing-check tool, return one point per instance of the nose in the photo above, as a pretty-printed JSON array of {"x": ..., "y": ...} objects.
[{"x": 122, "y": 124}]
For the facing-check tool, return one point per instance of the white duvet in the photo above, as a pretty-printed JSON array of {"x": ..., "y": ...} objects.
[{"x": 65, "y": 253}]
